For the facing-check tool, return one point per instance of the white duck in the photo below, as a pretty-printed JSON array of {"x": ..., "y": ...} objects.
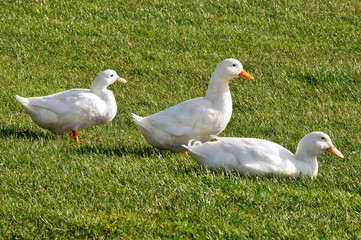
[
  {"x": 258, "y": 156},
  {"x": 76, "y": 109},
  {"x": 198, "y": 118}
]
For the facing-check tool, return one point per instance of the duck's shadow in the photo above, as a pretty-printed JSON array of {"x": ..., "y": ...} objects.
[
  {"x": 23, "y": 133},
  {"x": 234, "y": 173},
  {"x": 120, "y": 151},
  {"x": 151, "y": 152},
  {"x": 126, "y": 150}
]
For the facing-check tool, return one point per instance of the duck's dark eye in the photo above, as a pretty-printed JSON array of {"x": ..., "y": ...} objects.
[
  {"x": 323, "y": 138},
  {"x": 234, "y": 65},
  {"x": 112, "y": 75}
]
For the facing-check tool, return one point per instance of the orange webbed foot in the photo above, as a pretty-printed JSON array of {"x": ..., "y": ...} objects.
[
  {"x": 87, "y": 138},
  {"x": 74, "y": 136},
  {"x": 185, "y": 153}
]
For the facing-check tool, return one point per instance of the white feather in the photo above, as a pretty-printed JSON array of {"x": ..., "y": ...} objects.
[
  {"x": 197, "y": 118},
  {"x": 75, "y": 109},
  {"x": 258, "y": 156}
]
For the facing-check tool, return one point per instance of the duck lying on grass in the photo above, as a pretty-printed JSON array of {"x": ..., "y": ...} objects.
[
  {"x": 258, "y": 156},
  {"x": 76, "y": 109},
  {"x": 198, "y": 118}
]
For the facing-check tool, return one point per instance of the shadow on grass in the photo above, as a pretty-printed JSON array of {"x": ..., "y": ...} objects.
[
  {"x": 241, "y": 175},
  {"x": 120, "y": 151},
  {"x": 23, "y": 133}
]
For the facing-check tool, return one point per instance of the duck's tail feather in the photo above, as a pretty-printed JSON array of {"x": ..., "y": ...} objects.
[
  {"x": 191, "y": 143},
  {"x": 21, "y": 99},
  {"x": 138, "y": 120}
]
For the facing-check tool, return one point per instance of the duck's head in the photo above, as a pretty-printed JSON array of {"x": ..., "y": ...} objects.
[
  {"x": 316, "y": 143},
  {"x": 105, "y": 79},
  {"x": 110, "y": 76},
  {"x": 231, "y": 68}
]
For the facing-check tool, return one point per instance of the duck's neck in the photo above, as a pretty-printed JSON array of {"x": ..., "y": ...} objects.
[
  {"x": 110, "y": 109},
  {"x": 99, "y": 88},
  {"x": 306, "y": 163},
  {"x": 218, "y": 87},
  {"x": 218, "y": 92}
]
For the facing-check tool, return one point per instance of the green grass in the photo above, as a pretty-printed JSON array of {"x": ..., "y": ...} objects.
[{"x": 304, "y": 56}]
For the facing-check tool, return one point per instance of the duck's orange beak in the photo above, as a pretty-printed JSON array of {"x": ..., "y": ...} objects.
[
  {"x": 121, "y": 80},
  {"x": 334, "y": 150},
  {"x": 245, "y": 74}
]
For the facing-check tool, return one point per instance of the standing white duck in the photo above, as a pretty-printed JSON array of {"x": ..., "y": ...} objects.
[
  {"x": 258, "y": 156},
  {"x": 76, "y": 109},
  {"x": 198, "y": 118}
]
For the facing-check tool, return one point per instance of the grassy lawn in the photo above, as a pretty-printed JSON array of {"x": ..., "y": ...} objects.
[{"x": 305, "y": 60}]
